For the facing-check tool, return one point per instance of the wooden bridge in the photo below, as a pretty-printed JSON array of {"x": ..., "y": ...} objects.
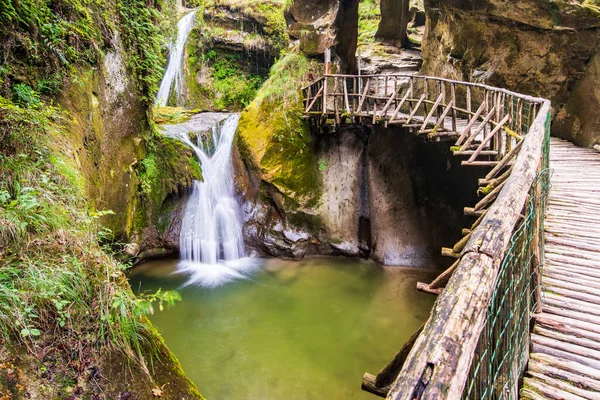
[{"x": 477, "y": 341}]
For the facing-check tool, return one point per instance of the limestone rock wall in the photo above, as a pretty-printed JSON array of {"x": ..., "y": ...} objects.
[
  {"x": 542, "y": 48},
  {"x": 385, "y": 195},
  {"x": 321, "y": 24},
  {"x": 107, "y": 136},
  {"x": 398, "y": 225},
  {"x": 394, "y": 21}
]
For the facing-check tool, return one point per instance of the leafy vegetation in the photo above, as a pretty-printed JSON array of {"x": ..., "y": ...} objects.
[
  {"x": 142, "y": 36},
  {"x": 58, "y": 288},
  {"x": 42, "y": 40},
  {"x": 369, "y": 15},
  {"x": 229, "y": 56},
  {"x": 45, "y": 42},
  {"x": 232, "y": 88}
]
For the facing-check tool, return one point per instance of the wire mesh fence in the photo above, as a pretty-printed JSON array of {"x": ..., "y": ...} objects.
[{"x": 503, "y": 347}]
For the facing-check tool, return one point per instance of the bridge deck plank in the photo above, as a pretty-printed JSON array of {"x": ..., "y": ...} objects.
[{"x": 566, "y": 335}]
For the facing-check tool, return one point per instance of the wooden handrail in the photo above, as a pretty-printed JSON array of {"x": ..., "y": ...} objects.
[
  {"x": 531, "y": 99},
  {"x": 439, "y": 363}
]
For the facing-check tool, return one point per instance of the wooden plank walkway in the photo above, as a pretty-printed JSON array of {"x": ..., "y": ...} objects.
[{"x": 565, "y": 359}]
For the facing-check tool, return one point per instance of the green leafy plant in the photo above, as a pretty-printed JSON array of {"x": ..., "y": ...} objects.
[
  {"x": 141, "y": 33},
  {"x": 24, "y": 95}
]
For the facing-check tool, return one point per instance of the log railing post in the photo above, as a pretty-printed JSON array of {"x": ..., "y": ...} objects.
[
  {"x": 469, "y": 107},
  {"x": 325, "y": 95}
]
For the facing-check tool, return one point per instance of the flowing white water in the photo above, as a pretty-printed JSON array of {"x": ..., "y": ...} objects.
[
  {"x": 174, "y": 72},
  {"x": 211, "y": 241}
]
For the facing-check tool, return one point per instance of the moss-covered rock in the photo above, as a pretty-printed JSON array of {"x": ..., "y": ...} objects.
[
  {"x": 107, "y": 138},
  {"x": 75, "y": 140},
  {"x": 579, "y": 119},
  {"x": 67, "y": 304},
  {"x": 275, "y": 137}
]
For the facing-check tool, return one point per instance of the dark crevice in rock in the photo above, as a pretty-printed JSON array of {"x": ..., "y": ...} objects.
[{"x": 364, "y": 219}]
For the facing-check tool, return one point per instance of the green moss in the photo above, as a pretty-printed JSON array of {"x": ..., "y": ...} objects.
[
  {"x": 168, "y": 163},
  {"x": 53, "y": 39},
  {"x": 275, "y": 137},
  {"x": 222, "y": 68},
  {"x": 268, "y": 12},
  {"x": 141, "y": 31},
  {"x": 67, "y": 168},
  {"x": 369, "y": 15},
  {"x": 172, "y": 115}
]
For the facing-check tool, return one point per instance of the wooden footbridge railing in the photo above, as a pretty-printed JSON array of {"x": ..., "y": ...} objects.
[{"x": 476, "y": 341}]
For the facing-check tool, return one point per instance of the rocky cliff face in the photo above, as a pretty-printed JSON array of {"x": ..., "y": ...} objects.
[
  {"x": 394, "y": 21},
  {"x": 544, "y": 48},
  {"x": 319, "y": 25},
  {"x": 107, "y": 136},
  {"x": 74, "y": 86},
  {"x": 383, "y": 194},
  {"x": 354, "y": 191}
]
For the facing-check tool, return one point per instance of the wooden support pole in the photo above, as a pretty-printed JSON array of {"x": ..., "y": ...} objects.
[
  {"x": 430, "y": 115},
  {"x": 314, "y": 100},
  {"x": 346, "y": 101},
  {"x": 480, "y": 163},
  {"x": 465, "y": 133},
  {"x": 470, "y": 212},
  {"x": 440, "y": 122},
  {"x": 460, "y": 245},
  {"x": 493, "y": 183},
  {"x": 444, "y": 276},
  {"x": 504, "y": 162},
  {"x": 414, "y": 111},
  {"x": 406, "y": 96},
  {"x": 388, "y": 104},
  {"x": 469, "y": 98},
  {"x": 364, "y": 96},
  {"x": 489, "y": 137},
  {"x": 447, "y": 252},
  {"x": 423, "y": 287},
  {"x": 478, "y": 221},
  {"x": 482, "y": 127},
  {"x": 489, "y": 198},
  {"x": 369, "y": 385}
]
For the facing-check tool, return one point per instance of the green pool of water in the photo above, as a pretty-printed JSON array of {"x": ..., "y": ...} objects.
[{"x": 295, "y": 330}]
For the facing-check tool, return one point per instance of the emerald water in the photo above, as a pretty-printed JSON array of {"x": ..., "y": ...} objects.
[{"x": 295, "y": 330}]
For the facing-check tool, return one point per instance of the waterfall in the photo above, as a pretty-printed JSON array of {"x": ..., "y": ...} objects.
[
  {"x": 212, "y": 227},
  {"x": 211, "y": 241},
  {"x": 174, "y": 72}
]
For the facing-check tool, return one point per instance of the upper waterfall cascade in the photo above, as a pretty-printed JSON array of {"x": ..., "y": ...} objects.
[{"x": 174, "y": 73}]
